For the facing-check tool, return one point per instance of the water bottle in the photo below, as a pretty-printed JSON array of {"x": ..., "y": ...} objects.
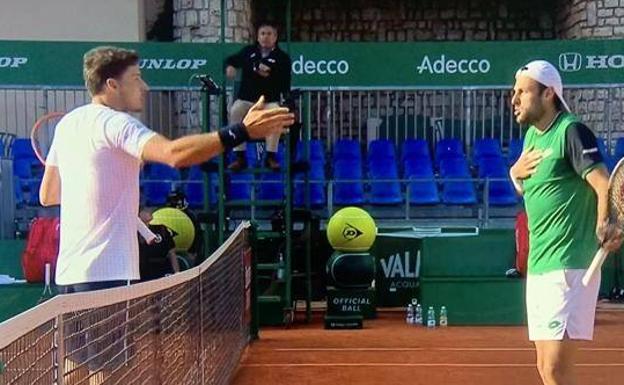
[
  {"x": 443, "y": 317},
  {"x": 280, "y": 267},
  {"x": 418, "y": 315},
  {"x": 409, "y": 318},
  {"x": 431, "y": 321}
]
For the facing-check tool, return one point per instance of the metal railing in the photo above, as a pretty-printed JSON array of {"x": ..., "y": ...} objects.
[{"x": 364, "y": 114}]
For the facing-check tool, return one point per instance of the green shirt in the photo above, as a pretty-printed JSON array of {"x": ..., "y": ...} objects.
[{"x": 560, "y": 204}]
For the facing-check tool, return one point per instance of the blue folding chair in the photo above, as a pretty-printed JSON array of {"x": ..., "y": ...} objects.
[
  {"x": 195, "y": 188},
  {"x": 239, "y": 186},
  {"x": 346, "y": 149},
  {"x": 22, "y": 149},
  {"x": 388, "y": 190},
  {"x": 486, "y": 147},
  {"x": 415, "y": 148},
  {"x": 448, "y": 148},
  {"x": 381, "y": 149},
  {"x": 352, "y": 192},
  {"x": 500, "y": 192},
  {"x": 317, "y": 152},
  {"x": 159, "y": 182},
  {"x": 423, "y": 190},
  {"x": 457, "y": 191},
  {"x": 271, "y": 186},
  {"x": 619, "y": 149},
  {"x": 515, "y": 149},
  {"x": 316, "y": 185}
]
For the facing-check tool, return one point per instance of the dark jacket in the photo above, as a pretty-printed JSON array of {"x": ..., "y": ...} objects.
[{"x": 253, "y": 85}]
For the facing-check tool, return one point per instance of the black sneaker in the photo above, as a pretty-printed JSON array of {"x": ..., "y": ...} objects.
[{"x": 271, "y": 161}]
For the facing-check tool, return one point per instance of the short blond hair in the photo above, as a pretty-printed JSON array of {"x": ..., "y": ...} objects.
[{"x": 102, "y": 63}]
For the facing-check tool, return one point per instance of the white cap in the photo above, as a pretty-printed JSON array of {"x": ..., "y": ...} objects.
[{"x": 546, "y": 74}]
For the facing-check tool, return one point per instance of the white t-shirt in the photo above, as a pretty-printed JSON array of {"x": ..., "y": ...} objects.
[{"x": 98, "y": 154}]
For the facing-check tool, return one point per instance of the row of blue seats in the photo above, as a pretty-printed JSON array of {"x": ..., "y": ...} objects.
[
  {"x": 348, "y": 178},
  {"x": 159, "y": 180},
  {"x": 382, "y": 168}
]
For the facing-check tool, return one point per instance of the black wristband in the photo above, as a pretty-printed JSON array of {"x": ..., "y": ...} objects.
[{"x": 233, "y": 135}]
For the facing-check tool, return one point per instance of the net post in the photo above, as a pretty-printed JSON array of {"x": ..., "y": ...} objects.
[
  {"x": 251, "y": 243},
  {"x": 202, "y": 353},
  {"x": 59, "y": 350}
]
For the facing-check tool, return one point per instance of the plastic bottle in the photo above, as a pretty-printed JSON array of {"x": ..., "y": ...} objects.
[
  {"x": 431, "y": 321},
  {"x": 443, "y": 317},
  {"x": 280, "y": 267},
  {"x": 418, "y": 315},
  {"x": 409, "y": 317}
]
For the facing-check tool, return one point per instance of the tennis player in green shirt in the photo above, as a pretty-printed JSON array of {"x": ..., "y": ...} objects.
[{"x": 564, "y": 182}]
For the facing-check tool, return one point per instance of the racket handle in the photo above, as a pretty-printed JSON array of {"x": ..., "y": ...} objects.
[
  {"x": 595, "y": 266},
  {"x": 146, "y": 233}
]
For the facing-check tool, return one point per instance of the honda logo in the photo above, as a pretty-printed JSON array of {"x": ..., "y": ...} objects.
[{"x": 570, "y": 61}]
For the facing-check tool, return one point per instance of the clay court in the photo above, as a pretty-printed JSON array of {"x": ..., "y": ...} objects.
[{"x": 388, "y": 351}]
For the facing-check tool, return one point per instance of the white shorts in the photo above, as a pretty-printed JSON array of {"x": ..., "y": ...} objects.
[{"x": 558, "y": 305}]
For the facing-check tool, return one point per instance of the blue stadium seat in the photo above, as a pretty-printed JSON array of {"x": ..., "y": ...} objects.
[
  {"x": 501, "y": 192},
  {"x": 22, "y": 149},
  {"x": 22, "y": 168},
  {"x": 415, "y": 148},
  {"x": 23, "y": 180},
  {"x": 619, "y": 149},
  {"x": 195, "y": 189},
  {"x": 19, "y": 193},
  {"x": 486, "y": 147},
  {"x": 317, "y": 152},
  {"x": 456, "y": 192},
  {"x": 448, "y": 148},
  {"x": 381, "y": 149},
  {"x": 346, "y": 149},
  {"x": 159, "y": 182},
  {"x": 34, "y": 186},
  {"x": 348, "y": 193},
  {"x": 385, "y": 192},
  {"x": 424, "y": 191},
  {"x": 271, "y": 186},
  {"x": 239, "y": 187},
  {"x": 515, "y": 149},
  {"x": 382, "y": 165},
  {"x": 317, "y": 190},
  {"x": 610, "y": 162}
]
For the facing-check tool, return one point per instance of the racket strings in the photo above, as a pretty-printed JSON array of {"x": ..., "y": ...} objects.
[{"x": 616, "y": 196}]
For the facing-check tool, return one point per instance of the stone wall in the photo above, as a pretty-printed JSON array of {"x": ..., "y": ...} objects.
[
  {"x": 595, "y": 19},
  {"x": 200, "y": 20},
  {"x": 426, "y": 20},
  {"x": 590, "y": 19}
]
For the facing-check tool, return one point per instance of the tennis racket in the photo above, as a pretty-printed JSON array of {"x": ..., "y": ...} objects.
[
  {"x": 616, "y": 216},
  {"x": 41, "y": 137}
]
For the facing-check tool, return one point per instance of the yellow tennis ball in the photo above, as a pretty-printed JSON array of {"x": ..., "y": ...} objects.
[
  {"x": 180, "y": 224},
  {"x": 351, "y": 229}
]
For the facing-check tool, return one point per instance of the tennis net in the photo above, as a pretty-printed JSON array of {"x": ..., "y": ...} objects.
[{"x": 188, "y": 328}]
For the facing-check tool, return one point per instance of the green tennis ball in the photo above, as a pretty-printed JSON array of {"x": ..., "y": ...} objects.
[
  {"x": 179, "y": 223},
  {"x": 351, "y": 229}
]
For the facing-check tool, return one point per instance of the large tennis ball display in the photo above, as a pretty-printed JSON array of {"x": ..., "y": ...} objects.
[
  {"x": 180, "y": 224},
  {"x": 351, "y": 229}
]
